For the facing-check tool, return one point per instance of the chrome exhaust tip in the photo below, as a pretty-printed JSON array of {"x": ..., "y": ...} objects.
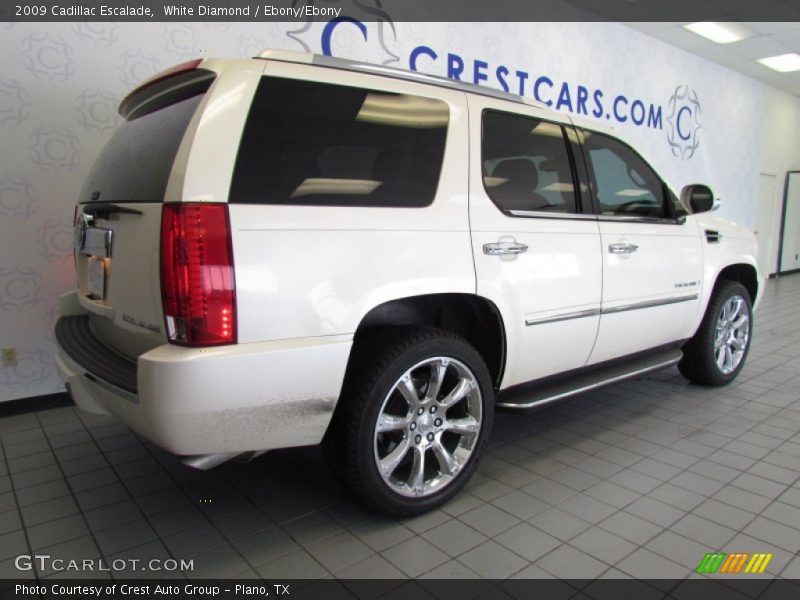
[
  {"x": 205, "y": 462},
  {"x": 246, "y": 457}
]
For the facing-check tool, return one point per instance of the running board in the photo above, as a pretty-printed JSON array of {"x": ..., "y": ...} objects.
[{"x": 534, "y": 396}]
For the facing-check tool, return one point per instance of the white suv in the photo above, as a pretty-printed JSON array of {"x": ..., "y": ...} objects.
[{"x": 296, "y": 249}]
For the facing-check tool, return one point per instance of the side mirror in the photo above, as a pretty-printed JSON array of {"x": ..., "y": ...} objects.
[{"x": 699, "y": 198}]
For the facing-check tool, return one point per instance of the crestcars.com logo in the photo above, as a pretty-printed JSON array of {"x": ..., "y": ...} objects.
[
  {"x": 356, "y": 39},
  {"x": 683, "y": 122},
  {"x": 733, "y": 563}
]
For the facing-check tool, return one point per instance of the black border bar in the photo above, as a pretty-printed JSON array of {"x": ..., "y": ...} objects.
[
  {"x": 399, "y": 589},
  {"x": 398, "y": 10}
]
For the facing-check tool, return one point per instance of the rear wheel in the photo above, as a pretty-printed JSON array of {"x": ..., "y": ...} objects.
[
  {"x": 418, "y": 411},
  {"x": 717, "y": 352}
]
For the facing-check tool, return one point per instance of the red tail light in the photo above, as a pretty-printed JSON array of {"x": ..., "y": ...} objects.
[{"x": 197, "y": 283}]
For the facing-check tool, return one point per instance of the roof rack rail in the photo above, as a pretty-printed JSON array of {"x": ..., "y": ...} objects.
[{"x": 404, "y": 74}]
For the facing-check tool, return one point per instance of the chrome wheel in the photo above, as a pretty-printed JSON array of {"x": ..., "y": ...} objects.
[
  {"x": 732, "y": 334},
  {"x": 428, "y": 427}
]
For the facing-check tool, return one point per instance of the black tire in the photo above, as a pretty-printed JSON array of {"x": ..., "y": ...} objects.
[
  {"x": 377, "y": 367},
  {"x": 699, "y": 362}
]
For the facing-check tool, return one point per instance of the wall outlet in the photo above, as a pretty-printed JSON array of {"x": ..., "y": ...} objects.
[{"x": 10, "y": 357}]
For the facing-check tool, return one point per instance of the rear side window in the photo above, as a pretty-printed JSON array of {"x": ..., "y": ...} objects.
[
  {"x": 310, "y": 143},
  {"x": 526, "y": 164},
  {"x": 624, "y": 184},
  {"x": 135, "y": 164}
]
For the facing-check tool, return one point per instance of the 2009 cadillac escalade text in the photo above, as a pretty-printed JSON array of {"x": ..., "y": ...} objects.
[
  {"x": 295, "y": 249},
  {"x": 104, "y": 10}
]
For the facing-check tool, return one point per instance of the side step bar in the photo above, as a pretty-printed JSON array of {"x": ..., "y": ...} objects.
[{"x": 534, "y": 396}]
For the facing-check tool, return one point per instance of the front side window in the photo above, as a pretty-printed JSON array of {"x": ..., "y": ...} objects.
[
  {"x": 623, "y": 183},
  {"x": 311, "y": 143},
  {"x": 526, "y": 165}
]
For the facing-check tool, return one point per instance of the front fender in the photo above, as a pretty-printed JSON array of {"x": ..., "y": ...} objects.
[{"x": 736, "y": 246}]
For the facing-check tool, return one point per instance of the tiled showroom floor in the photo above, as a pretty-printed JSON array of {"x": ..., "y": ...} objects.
[{"x": 638, "y": 479}]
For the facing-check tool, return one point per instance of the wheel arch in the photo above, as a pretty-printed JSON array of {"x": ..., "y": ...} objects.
[
  {"x": 701, "y": 353},
  {"x": 475, "y": 318},
  {"x": 743, "y": 273}
]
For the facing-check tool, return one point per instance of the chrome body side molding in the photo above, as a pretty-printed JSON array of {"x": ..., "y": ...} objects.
[
  {"x": 649, "y": 304},
  {"x": 581, "y": 314},
  {"x": 593, "y": 312}
]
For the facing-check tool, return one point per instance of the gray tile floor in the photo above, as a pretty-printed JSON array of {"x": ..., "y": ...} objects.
[{"x": 636, "y": 480}]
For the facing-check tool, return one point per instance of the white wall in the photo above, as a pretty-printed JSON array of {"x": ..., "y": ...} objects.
[
  {"x": 60, "y": 84},
  {"x": 780, "y": 151}
]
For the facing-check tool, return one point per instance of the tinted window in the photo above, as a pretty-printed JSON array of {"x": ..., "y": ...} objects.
[
  {"x": 316, "y": 143},
  {"x": 526, "y": 164},
  {"x": 623, "y": 183},
  {"x": 135, "y": 164}
]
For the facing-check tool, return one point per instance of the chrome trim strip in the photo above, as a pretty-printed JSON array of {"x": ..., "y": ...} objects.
[
  {"x": 82, "y": 224},
  {"x": 649, "y": 304},
  {"x": 593, "y": 312},
  {"x": 593, "y": 217},
  {"x": 592, "y": 386},
  {"x": 634, "y": 219},
  {"x": 548, "y": 215},
  {"x": 581, "y": 314}
]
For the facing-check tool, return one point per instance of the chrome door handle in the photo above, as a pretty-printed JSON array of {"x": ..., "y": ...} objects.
[
  {"x": 622, "y": 248},
  {"x": 501, "y": 248}
]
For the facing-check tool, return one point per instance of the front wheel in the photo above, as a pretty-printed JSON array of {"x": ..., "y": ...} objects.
[
  {"x": 716, "y": 353},
  {"x": 419, "y": 410}
]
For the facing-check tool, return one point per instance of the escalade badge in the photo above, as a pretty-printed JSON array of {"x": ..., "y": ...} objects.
[{"x": 139, "y": 323}]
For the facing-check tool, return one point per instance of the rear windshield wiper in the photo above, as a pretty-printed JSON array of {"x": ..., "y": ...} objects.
[{"x": 104, "y": 209}]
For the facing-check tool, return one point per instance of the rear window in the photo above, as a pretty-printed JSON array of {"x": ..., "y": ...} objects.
[
  {"x": 310, "y": 143},
  {"x": 135, "y": 164}
]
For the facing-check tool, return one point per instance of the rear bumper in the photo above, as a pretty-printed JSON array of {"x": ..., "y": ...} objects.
[{"x": 233, "y": 399}]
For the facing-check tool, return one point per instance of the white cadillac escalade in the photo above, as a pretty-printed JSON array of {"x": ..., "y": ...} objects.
[{"x": 295, "y": 249}]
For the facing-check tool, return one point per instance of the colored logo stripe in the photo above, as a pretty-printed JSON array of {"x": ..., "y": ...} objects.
[
  {"x": 711, "y": 562},
  {"x": 734, "y": 563},
  {"x": 758, "y": 563}
]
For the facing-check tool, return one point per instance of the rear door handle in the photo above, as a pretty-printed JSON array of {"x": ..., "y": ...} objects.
[
  {"x": 622, "y": 248},
  {"x": 502, "y": 248}
]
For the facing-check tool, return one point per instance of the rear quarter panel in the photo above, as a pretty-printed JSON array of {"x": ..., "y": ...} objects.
[{"x": 310, "y": 270}]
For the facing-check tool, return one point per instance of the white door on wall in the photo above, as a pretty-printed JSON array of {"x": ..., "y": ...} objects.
[
  {"x": 765, "y": 222},
  {"x": 790, "y": 249}
]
